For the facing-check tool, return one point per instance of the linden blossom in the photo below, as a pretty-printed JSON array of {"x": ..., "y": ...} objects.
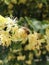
[
  {"x": 12, "y": 32},
  {"x": 10, "y": 25},
  {"x": 5, "y": 38},
  {"x": 20, "y": 44},
  {"x": 15, "y": 33}
]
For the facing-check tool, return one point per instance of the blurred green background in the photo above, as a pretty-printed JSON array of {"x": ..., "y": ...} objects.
[{"x": 38, "y": 9}]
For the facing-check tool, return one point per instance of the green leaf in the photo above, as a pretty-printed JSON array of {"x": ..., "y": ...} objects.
[
  {"x": 44, "y": 1},
  {"x": 16, "y": 45}
]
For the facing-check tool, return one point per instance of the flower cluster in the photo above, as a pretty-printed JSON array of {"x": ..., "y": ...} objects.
[{"x": 10, "y": 32}]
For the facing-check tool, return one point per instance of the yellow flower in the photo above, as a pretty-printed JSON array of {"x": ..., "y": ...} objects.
[
  {"x": 9, "y": 21},
  {"x": 47, "y": 36},
  {"x": 47, "y": 32},
  {"x": 2, "y": 26},
  {"x": 14, "y": 34},
  {"x": 32, "y": 39},
  {"x": 28, "y": 62},
  {"x": 40, "y": 41},
  {"x": 21, "y": 57},
  {"x": 14, "y": 37},
  {"x": 11, "y": 25},
  {"x": 2, "y": 22},
  {"x": 32, "y": 42},
  {"x": 47, "y": 48},
  {"x": 5, "y": 38},
  {"x": 2, "y": 19},
  {"x": 22, "y": 35},
  {"x": 14, "y": 29}
]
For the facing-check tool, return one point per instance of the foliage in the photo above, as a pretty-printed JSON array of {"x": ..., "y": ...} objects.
[
  {"x": 38, "y": 9},
  {"x": 23, "y": 41}
]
